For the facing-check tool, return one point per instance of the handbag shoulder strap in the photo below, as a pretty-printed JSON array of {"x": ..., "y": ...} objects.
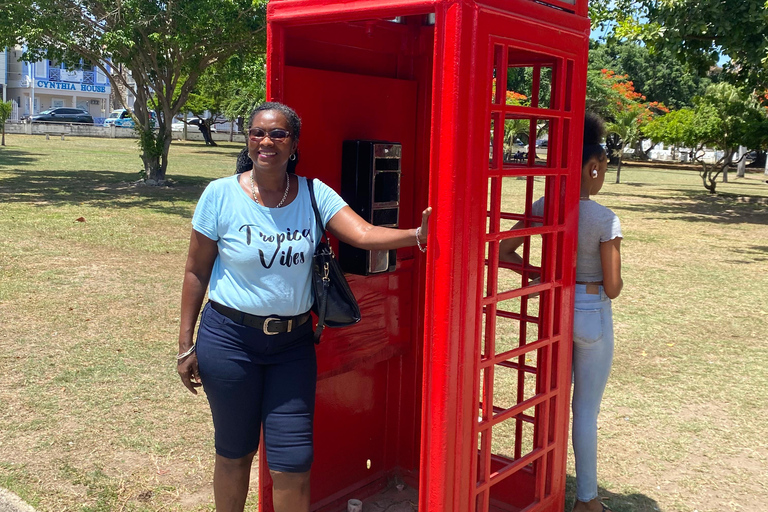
[
  {"x": 322, "y": 297},
  {"x": 318, "y": 218}
]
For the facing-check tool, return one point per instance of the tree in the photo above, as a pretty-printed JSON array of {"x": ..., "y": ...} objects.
[
  {"x": 698, "y": 32},
  {"x": 166, "y": 45},
  {"x": 247, "y": 86},
  {"x": 626, "y": 111},
  {"x": 231, "y": 89},
  {"x": 626, "y": 127},
  {"x": 661, "y": 77},
  {"x": 6, "y": 108},
  {"x": 724, "y": 118}
]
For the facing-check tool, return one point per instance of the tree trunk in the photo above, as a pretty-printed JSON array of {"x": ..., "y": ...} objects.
[
  {"x": 618, "y": 170},
  {"x": 708, "y": 183},
  {"x": 765, "y": 172},
  {"x": 642, "y": 155},
  {"x": 742, "y": 165},
  {"x": 156, "y": 162},
  {"x": 3, "y": 143}
]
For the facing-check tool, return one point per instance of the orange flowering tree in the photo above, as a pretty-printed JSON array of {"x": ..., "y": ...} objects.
[{"x": 630, "y": 110}]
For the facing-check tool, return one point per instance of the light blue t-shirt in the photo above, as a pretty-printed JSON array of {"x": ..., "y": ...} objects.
[{"x": 265, "y": 254}]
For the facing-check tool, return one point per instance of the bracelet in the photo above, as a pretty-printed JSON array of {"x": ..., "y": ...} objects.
[
  {"x": 418, "y": 242},
  {"x": 181, "y": 356}
]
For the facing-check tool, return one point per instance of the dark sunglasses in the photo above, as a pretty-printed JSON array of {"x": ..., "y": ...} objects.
[{"x": 277, "y": 135}]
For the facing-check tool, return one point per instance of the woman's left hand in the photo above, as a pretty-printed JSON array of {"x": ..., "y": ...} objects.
[{"x": 424, "y": 228}]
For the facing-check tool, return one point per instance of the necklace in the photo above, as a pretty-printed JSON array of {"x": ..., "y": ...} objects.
[{"x": 285, "y": 195}]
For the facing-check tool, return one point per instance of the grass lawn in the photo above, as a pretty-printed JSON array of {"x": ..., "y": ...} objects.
[{"x": 94, "y": 417}]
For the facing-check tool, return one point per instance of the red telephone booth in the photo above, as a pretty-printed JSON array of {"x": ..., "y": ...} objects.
[{"x": 455, "y": 385}]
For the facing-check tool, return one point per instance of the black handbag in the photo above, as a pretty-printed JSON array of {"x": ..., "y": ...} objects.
[{"x": 335, "y": 304}]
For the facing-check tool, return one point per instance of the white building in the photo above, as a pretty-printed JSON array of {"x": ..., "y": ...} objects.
[
  {"x": 38, "y": 86},
  {"x": 3, "y": 71}
]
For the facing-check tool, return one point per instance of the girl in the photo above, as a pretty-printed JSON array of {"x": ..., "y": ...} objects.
[{"x": 598, "y": 280}]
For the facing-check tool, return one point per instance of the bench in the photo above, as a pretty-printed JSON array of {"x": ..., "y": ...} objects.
[
  {"x": 56, "y": 129},
  {"x": 55, "y": 132}
]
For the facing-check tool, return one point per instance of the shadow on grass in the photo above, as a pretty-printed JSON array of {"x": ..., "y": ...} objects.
[
  {"x": 15, "y": 157},
  {"x": 105, "y": 189},
  {"x": 695, "y": 206},
  {"x": 617, "y": 502},
  {"x": 200, "y": 147}
]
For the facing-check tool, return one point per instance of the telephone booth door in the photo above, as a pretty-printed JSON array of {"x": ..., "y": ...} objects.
[
  {"x": 525, "y": 311},
  {"x": 453, "y": 390}
]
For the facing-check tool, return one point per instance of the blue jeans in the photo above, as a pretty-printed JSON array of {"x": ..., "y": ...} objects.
[{"x": 592, "y": 358}]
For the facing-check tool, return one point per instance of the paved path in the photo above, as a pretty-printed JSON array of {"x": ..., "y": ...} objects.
[{"x": 9, "y": 502}]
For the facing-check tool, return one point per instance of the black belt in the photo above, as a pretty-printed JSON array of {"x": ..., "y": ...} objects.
[{"x": 268, "y": 324}]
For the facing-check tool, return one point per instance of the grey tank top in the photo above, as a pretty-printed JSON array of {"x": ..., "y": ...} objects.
[{"x": 597, "y": 224}]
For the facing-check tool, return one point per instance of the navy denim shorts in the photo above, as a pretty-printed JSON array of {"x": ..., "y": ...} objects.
[{"x": 253, "y": 381}]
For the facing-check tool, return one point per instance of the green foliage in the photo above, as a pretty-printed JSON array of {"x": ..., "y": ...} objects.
[
  {"x": 6, "y": 108},
  {"x": 625, "y": 126},
  {"x": 724, "y": 118},
  {"x": 601, "y": 98},
  {"x": 699, "y": 30},
  {"x": 230, "y": 89},
  {"x": 695, "y": 31},
  {"x": 685, "y": 127},
  {"x": 660, "y": 77},
  {"x": 166, "y": 45},
  {"x": 520, "y": 84}
]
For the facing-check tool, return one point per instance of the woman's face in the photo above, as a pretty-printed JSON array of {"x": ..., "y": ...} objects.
[{"x": 268, "y": 153}]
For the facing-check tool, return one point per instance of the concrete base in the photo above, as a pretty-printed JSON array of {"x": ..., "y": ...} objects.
[{"x": 9, "y": 502}]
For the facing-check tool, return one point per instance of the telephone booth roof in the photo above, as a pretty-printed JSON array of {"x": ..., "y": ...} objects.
[{"x": 339, "y": 10}]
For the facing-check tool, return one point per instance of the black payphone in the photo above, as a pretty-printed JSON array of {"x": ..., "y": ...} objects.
[{"x": 370, "y": 184}]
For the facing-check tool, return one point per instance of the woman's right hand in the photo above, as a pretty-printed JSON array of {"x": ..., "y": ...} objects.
[{"x": 190, "y": 375}]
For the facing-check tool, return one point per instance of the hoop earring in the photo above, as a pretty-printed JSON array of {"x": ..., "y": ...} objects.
[
  {"x": 594, "y": 173},
  {"x": 292, "y": 158}
]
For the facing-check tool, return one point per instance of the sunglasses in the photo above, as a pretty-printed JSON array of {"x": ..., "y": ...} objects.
[{"x": 277, "y": 135}]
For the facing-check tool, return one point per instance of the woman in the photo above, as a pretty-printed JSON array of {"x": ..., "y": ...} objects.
[
  {"x": 253, "y": 238},
  {"x": 598, "y": 280}
]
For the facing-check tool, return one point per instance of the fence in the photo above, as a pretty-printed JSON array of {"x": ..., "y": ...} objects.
[{"x": 110, "y": 132}]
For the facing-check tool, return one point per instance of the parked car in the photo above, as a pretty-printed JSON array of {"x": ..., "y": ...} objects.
[
  {"x": 541, "y": 143},
  {"x": 121, "y": 117},
  {"x": 62, "y": 115}
]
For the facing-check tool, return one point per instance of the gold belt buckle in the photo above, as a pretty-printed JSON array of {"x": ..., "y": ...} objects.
[{"x": 265, "y": 328}]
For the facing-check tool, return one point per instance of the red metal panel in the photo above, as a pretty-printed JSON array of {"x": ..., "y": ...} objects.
[
  {"x": 452, "y": 279},
  {"x": 325, "y": 11}
]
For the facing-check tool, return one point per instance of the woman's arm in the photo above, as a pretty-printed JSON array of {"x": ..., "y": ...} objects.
[
  {"x": 197, "y": 273},
  {"x": 508, "y": 251},
  {"x": 508, "y": 247},
  {"x": 352, "y": 229},
  {"x": 610, "y": 256}
]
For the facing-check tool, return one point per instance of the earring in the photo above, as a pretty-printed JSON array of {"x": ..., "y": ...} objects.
[
  {"x": 594, "y": 173},
  {"x": 292, "y": 158}
]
